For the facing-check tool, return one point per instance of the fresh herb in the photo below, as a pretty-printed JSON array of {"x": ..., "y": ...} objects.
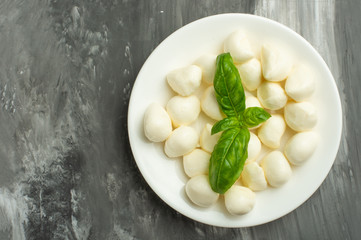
[{"x": 230, "y": 152}]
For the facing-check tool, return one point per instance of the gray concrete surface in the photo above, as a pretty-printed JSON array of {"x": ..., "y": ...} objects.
[{"x": 66, "y": 73}]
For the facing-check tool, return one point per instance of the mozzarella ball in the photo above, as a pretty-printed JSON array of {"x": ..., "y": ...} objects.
[
  {"x": 208, "y": 141},
  {"x": 271, "y": 95},
  {"x": 276, "y": 66},
  {"x": 196, "y": 162},
  {"x": 200, "y": 192},
  {"x": 210, "y": 105},
  {"x": 253, "y": 177},
  {"x": 300, "y": 147},
  {"x": 186, "y": 80},
  {"x": 239, "y": 200},
  {"x": 208, "y": 65},
  {"x": 254, "y": 147},
  {"x": 300, "y": 84},
  {"x": 181, "y": 141},
  {"x": 252, "y": 101},
  {"x": 157, "y": 123},
  {"x": 300, "y": 116},
  {"x": 276, "y": 168},
  {"x": 183, "y": 110},
  {"x": 238, "y": 46},
  {"x": 251, "y": 74},
  {"x": 271, "y": 132},
  {"x": 247, "y": 94}
]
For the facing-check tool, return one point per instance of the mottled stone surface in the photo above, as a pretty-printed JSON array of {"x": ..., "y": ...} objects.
[{"x": 66, "y": 72}]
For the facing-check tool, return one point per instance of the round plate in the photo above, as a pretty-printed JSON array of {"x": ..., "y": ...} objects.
[{"x": 166, "y": 176}]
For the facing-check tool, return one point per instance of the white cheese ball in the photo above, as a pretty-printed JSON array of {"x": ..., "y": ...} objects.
[
  {"x": 239, "y": 200},
  {"x": 276, "y": 168},
  {"x": 208, "y": 141},
  {"x": 183, "y": 110},
  {"x": 238, "y": 46},
  {"x": 207, "y": 63},
  {"x": 251, "y": 74},
  {"x": 196, "y": 162},
  {"x": 252, "y": 101},
  {"x": 254, "y": 147},
  {"x": 157, "y": 123},
  {"x": 200, "y": 192},
  {"x": 253, "y": 177},
  {"x": 301, "y": 147},
  {"x": 300, "y": 84},
  {"x": 247, "y": 94},
  {"x": 271, "y": 132},
  {"x": 181, "y": 141},
  {"x": 210, "y": 105},
  {"x": 186, "y": 80},
  {"x": 271, "y": 95},
  {"x": 276, "y": 65},
  {"x": 300, "y": 116}
]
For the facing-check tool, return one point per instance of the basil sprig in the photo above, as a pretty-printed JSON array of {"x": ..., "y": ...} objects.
[{"x": 230, "y": 152}]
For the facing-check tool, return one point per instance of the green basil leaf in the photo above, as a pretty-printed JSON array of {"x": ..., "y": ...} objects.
[
  {"x": 225, "y": 124},
  {"x": 228, "y": 87},
  {"x": 228, "y": 158},
  {"x": 253, "y": 116}
]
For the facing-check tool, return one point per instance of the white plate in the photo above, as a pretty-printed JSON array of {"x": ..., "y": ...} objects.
[{"x": 166, "y": 176}]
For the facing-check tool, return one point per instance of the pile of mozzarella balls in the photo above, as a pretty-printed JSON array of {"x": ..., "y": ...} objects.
[{"x": 271, "y": 81}]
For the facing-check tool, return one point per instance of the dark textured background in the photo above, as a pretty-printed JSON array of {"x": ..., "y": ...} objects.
[{"x": 66, "y": 72}]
